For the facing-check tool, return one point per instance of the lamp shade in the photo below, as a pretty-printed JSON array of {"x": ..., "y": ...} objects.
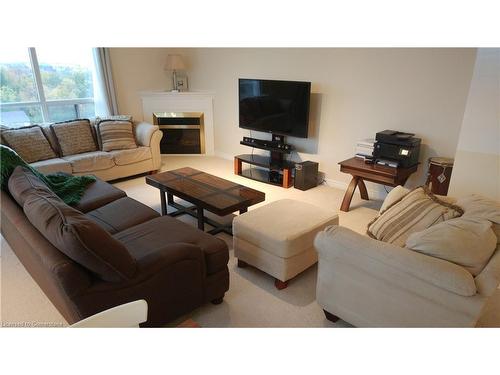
[{"x": 174, "y": 62}]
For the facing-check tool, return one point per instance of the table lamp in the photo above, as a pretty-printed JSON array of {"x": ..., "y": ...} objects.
[{"x": 174, "y": 62}]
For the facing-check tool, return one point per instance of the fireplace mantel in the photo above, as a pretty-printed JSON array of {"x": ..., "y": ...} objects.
[{"x": 191, "y": 101}]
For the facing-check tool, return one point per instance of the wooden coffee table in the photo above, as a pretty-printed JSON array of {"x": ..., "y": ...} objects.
[{"x": 205, "y": 192}]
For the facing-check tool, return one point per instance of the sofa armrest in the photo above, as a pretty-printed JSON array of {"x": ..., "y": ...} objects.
[
  {"x": 338, "y": 242},
  {"x": 489, "y": 278},
  {"x": 149, "y": 135},
  {"x": 144, "y": 133}
]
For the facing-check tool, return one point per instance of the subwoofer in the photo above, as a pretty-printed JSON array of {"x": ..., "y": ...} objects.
[{"x": 306, "y": 175}]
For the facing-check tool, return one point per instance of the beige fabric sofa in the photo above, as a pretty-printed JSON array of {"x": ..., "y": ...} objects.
[
  {"x": 110, "y": 165},
  {"x": 370, "y": 283}
]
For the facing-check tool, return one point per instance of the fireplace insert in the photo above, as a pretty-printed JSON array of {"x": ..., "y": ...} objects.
[{"x": 183, "y": 132}]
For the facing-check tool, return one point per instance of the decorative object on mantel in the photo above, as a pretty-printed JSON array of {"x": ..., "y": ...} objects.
[
  {"x": 182, "y": 82},
  {"x": 174, "y": 63}
]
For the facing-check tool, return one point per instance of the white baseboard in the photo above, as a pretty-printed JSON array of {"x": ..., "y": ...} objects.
[{"x": 223, "y": 155}]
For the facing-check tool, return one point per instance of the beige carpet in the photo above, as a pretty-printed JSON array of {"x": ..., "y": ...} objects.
[{"x": 252, "y": 300}]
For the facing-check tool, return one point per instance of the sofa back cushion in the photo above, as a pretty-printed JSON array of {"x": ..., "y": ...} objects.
[
  {"x": 47, "y": 131},
  {"x": 79, "y": 238},
  {"x": 74, "y": 137},
  {"x": 23, "y": 182},
  {"x": 416, "y": 211},
  {"x": 115, "y": 135},
  {"x": 466, "y": 241},
  {"x": 481, "y": 207},
  {"x": 29, "y": 142}
]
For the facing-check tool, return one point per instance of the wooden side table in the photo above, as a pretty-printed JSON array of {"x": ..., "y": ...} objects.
[{"x": 379, "y": 174}]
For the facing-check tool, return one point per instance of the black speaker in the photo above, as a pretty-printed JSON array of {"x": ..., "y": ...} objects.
[{"x": 306, "y": 175}]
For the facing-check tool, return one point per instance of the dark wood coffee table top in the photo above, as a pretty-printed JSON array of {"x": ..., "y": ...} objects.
[{"x": 207, "y": 191}]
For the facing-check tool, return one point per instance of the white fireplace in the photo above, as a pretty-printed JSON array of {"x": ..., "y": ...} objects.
[{"x": 193, "y": 101}]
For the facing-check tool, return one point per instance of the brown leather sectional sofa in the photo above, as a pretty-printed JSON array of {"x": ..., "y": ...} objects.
[{"x": 110, "y": 250}]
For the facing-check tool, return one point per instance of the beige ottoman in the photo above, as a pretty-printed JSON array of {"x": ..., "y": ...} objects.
[{"x": 278, "y": 238}]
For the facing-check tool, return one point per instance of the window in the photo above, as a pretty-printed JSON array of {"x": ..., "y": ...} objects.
[{"x": 45, "y": 85}]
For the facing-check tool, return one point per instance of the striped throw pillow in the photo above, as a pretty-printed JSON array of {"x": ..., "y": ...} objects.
[
  {"x": 414, "y": 212},
  {"x": 116, "y": 135}
]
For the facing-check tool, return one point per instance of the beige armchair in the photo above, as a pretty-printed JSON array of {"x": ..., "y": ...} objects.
[{"x": 370, "y": 283}]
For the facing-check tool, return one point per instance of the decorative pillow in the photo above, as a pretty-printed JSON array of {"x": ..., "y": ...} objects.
[
  {"x": 79, "y": 238},
  {"x": 114, "y": 118},
  {"x": 481, "y": 207},
  {"x": 416, "y": 211},
  {"x": 29, "y": 142},
  {"x": 74, "y": 137},
  {"x": 116, "y": 135},
  {"x": 466, "y": 241},
  {"x": 23, "y": 182},
  {"x": 393, "y": 196}
]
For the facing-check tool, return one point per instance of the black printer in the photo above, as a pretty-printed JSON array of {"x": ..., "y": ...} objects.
[{"x": 396, "y": 148}]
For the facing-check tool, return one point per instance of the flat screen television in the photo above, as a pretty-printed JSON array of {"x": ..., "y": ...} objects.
[{"x": 278, "y": 107}]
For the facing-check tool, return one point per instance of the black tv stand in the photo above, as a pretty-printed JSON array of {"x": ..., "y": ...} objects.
[{"x": 274, "y": 169}]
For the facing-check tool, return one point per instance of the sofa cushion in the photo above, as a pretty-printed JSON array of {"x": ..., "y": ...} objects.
[
  {"x": 482, "y": 207},
  {"x": 97, "y": 195},
  {"x": 79, "y": 238},
  {"x": 466, "y": 241},
  {"x": 136, "y": 155},
  {"x": 111, "y": 216},
  {"x": 90, "y": 161},
  {"x": 52, "y": 166},
  {"x": 416, "y": 211},
  {"x": 115, "y": 135},
  {"x": 23, "y": 182},
  {"x": 155, "y": 234},
  {"x": 74, "y": 137},
  {"x": 29, "y": 142}
]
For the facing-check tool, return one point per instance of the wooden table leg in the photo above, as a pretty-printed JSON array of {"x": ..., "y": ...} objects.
[
  {"x": 287, "y": 178},
  {"x": 201, "y": 220},
  {"x": 163, "y": 203},
  {"x": 346, "y": 202},
  {"x": 362, "y": 189},
  {"x": 237, "y": 166}
]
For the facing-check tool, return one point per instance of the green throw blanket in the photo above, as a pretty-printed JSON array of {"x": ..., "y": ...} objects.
[{"x": 69, "y": 188}]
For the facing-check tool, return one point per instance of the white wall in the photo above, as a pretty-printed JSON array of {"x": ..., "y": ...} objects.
[
  {"x": 135, "y": 70},
  {"x": 356, "y": 92},
  {"x": 477, "y": 160}
]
